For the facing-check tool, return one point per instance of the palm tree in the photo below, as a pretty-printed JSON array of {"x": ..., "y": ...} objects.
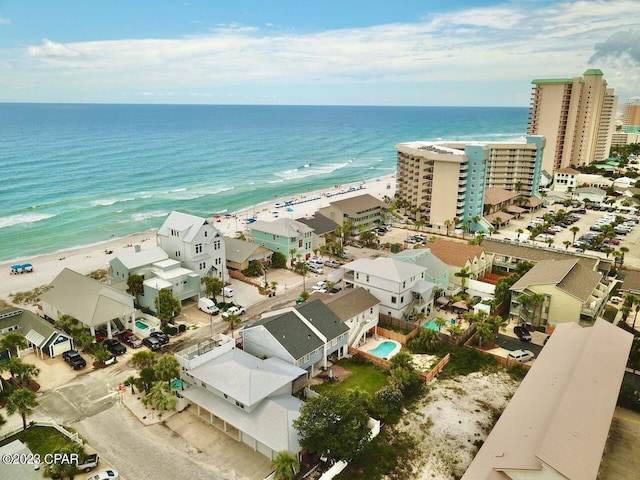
[
  {"x": 286, "y": 465},
  {"x": 455, "y": 330},
  {"x": 484, "y": 331},
  {"x": 135, "y": 284},
  {"x": 161, "y": 398},
  {"x": 567, "y": 244},
  {"x": 447, "y": 224},
  {"x": 143, "y": 359},
  {"x": 130, "y": 382},
  {"x": 65, "y": 322},
  {"x": 498, "y": 222},
  {"x": 623, "y": 250},
  {"x": 22, "y": 401},
  {"x": 13, "y": 342},
  {"x": 293, "y": 251},
  {"x": 518, "y": 186},
  {"x": 302, "y": 268},
  {"x": 463, "y": 274},
  {"x": 167, "y": 368},
  {"x": 520, "y": 232},
  {"x": 212, "y": 287},
  {"x": 440, "y": 322},
  {"x": 233, "y": 320}
]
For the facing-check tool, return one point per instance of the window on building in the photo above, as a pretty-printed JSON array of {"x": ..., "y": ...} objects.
[
  {"x": 205, "y": 233},
  {"x": 198, "y": 248},
  {"x": 393, "y": 299}
]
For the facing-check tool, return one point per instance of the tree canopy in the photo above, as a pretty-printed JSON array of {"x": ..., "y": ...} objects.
[
  {"x": 167, "y": 306},
  {"x": 335, "y": 424}
]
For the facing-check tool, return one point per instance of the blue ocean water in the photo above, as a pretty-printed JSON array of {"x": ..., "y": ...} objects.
[{"x": 78, "y": 174}]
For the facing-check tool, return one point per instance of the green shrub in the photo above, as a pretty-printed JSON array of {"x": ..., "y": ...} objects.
[
  {"x": 169, "y": 330},
  {"x": 182, "y": 328},
  {"x": 278, "y": 260}
]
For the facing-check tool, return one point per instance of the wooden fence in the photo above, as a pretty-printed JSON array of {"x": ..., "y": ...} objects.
[
  {"x": 427, "y": 377},
  {"x": 370, "y": 358}
]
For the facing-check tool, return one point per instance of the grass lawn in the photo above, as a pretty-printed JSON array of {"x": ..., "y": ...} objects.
[
  {"x": 40, "y": 440},
  {"x": 363, "y": 376}
]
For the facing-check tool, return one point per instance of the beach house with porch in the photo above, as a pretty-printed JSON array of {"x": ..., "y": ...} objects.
[
  {"x": 195, "y": 243},
  {"x": 89, "y": 301},
  {"x": 304, "y": 336},
  {"x": 356, "y": 307},
  {"x": 436, "y": 271},
  {"x": 43, "y": 338},
  {"x": 249, "y": 398},
  {"x": 400, "y": 287},
  {"x": 364, "y": 211},
  {"x": 458, "y": 255},
  {"x": 571, "y": 292},
  {"x": 283, "y": 235}
]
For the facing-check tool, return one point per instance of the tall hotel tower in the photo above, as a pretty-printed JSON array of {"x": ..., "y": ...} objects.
[{"x": 577, "y": 118}]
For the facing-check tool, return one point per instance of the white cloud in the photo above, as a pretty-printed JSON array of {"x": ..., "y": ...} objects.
[
  {"x": 5, "y": 21},
  {"x": 506, "y": 45}
]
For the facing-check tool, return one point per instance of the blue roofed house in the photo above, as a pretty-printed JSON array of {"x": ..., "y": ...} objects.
[
  {"x": 304, "y": 335},
  {"x": 283, "y": 235},
  {"x": 249, "y": 398},
  {"x": 436, "y": 271}
]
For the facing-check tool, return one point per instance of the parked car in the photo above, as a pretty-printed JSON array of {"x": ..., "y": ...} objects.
[
  {"x": 521, "y": 356},
  {"x": 335, "y": 289},
  {"x": 332, "y": 263},
  {"x": 162, "y": 337},
  {"x": 152, "y": 343},
  {"x": 207, "y": 305},
  {"x": 114, "y": 346},
  {"x": 130, "y": 339},
  {"x": 319, "y": 285},
  {"x": 227, "y": 291},
  {"x": 105, "y": 475},
  {"x": 235, "y": 309},
  {"x": 90, "y": 462},
  {"x": 522, "y": 333},
  {"x": 316, "y": 269},
  {"x": 74, "y": 359}
]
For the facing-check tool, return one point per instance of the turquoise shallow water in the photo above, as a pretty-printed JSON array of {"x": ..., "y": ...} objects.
[
  {"x": 383, "y": 350},
  {"x": 76, "y": 175}
]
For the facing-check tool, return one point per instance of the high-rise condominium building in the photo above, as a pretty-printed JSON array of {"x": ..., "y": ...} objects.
[
  {"x": 447, "y": 180},
  {"x": 576, "y": 116},
  {"x": 631, "y": 115}
]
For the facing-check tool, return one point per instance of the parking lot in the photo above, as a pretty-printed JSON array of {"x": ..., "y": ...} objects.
[{"x": 587, "y": 220}]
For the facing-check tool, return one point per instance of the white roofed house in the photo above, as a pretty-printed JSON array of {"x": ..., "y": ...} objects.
[
  {"x": 247, "y": 397},
  {"x": 400, "y": 287},
  {"x": 158, "y": 272},
  {"x": 195, "y": 243},
  {"x": 92, "y": 303}
]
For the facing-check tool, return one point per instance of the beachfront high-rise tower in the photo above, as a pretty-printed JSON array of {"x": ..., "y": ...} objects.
[
  {"x": 447, "y": 180},
  {"x": 576, "y": 116}
]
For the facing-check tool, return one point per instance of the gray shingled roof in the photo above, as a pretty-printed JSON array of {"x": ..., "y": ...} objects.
[
  {"x": 298, "y": 338},
  {"x": 238, "y": 250},
  {"x": 320, "y": 224},
  {"x": 349, "y": 302}
]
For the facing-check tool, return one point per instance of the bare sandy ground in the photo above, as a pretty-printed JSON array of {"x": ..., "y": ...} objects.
[
  {"x": 94, "y": 257},
  {"x": 452, "y": 419}
]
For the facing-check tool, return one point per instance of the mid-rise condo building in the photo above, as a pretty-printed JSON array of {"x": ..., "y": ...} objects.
[{"x": 447, "y": 180}]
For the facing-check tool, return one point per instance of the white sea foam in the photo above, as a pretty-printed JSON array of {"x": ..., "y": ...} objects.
[
  {"x": 23, "y": 218},
  {"x": 295, "y": 174},
  {"x": 138, "y": 217},
  {"x": 103, "y": 202}
]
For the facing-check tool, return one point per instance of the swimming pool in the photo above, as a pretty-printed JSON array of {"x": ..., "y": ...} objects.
[
  {"x": 141, "y": 325},
  {"x": 383, "y": 350},
  {"x": 432, "y": 325}
]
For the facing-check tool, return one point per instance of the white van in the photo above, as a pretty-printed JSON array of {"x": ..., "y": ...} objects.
[
  {"x": 207, "y": 306},
  {"x": 228, "y": 291}
]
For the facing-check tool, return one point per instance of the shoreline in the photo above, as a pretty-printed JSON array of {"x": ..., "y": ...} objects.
[{"x": 87, "y": 258}]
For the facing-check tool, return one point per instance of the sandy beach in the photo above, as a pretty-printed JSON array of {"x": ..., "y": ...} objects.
[{"x": 93, "y": 257}]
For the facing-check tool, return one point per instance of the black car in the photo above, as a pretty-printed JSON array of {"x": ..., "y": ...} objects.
[
  {"x": 74, "y": 359},
  {"x": 335, "y": 289},
  {"x": 114, "y": 346},
  {"x": 162, "y": 337},
  {"x": 522, "y": 333},
  {"x": 152, "y": 343}
]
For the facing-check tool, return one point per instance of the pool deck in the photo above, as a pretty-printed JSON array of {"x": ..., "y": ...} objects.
[{"x": 373, "y": 343}]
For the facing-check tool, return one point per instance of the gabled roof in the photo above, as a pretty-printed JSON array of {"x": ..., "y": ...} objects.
[
  {"x": 36, "y": 329},
  {"x": 238, "y": 250},
  {"x": 455, "y": 253},
  {"x": 495, "y": 195},
  {"x": 423, "y": 257},
  {"x": 562, "y": 411},
  {"x": 568, "y": 275},
  {"x": 142, "y": 258},
  {"x": 244, "y": 377},
  {"x": 354, "y": 205},
  {"x": 319, "y": 223},
  {"x": 384, "y": 267},
  {"x": 87, "y": 300},
  {"x": 187, "y": 225},
  {"x": 300, "y": 337},
  {"x": 283, "y": 227},
  {"x": 349, "y": 302}
]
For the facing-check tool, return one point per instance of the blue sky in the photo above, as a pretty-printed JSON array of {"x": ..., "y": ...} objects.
[{"x": 345, "y": 52}]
